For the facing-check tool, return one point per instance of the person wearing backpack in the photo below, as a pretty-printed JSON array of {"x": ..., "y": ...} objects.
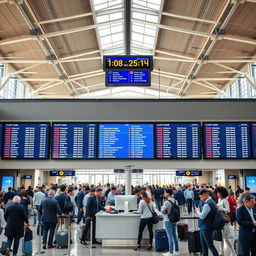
[
  {"x": 206, "y": 223},
  {"x": 171, "y": 213}
]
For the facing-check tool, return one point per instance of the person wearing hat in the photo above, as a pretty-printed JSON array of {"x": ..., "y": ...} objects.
[{"x": 93, "y": 206}]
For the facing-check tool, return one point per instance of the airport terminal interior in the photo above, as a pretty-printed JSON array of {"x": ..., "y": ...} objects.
[{"x": 127, "y": 94}]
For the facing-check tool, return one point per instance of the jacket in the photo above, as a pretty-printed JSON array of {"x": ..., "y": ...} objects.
[
  {"x": 246, "y": 227},
  {"x": 15, "y": 216},
  {"x": 179, "y": 196},
  {"x": 93, "y": 207},
  {"x": 49, "y": 209}
]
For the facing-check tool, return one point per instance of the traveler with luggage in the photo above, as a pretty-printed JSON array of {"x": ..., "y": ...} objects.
[
  {"x": 16, "y": 217},
  {"x": 223, "y": 205},
  {"x": 93, "y": 206},
  {"x": 189, "y": 195},
  {"x": 206, "y": 220},
  {"x": 171, "y": 214},
  {"x": 146, "y": 209},
  {"x": 49, "y": 209},
  {"x": 246, "y": 218}
]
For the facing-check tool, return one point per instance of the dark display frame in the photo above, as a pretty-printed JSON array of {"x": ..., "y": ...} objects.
[
  {"x": 27, "y": 158},
  {"x": 225, "y": 122},
  {"x": 52, "y": 138}
]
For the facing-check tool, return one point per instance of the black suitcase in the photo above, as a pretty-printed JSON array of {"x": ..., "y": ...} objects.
[
  {"x": 161, "y": 240},
  {"x": 194, "y": 243},
  {"x": 182, "y": 231}
]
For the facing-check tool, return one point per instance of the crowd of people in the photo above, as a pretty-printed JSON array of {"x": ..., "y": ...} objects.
[{"x": 49, "y": 204}]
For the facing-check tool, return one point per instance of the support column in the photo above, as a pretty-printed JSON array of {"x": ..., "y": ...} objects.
[
  {"x": 128, "y": 181},
  {"x": 214, "y": 178}
]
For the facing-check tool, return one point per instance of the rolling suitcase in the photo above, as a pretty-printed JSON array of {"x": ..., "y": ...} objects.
[
  {"x": 27, "y": 248},
  {"x": 62, "y": 238},
  {"x": 182, "y": 231},
  {"x": 194, "y": 243},
  {"x": 161, "y": 240}
]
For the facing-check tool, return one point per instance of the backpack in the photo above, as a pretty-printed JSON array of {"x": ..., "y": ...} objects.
[
  {"x": 68, "y": 206},
  {"x": 174, "y": 214},
  {"x": 219, "y": 221}
]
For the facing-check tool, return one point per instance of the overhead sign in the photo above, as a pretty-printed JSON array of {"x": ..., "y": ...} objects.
[
  {"x": 137, "y": 171},
  {"x": 63, "y": 173},
  {"x": 118, "y": 171},
  {"x": 27, "y": 177},
  {"x": 188, "y": 173},
  {"x": 232, "y": 177}
]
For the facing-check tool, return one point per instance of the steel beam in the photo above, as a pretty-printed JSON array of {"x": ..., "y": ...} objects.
[
  {"x": 127, "y": 25},
  {"x": 65, "y": 18},
  {"x": 188, "y": 18}
]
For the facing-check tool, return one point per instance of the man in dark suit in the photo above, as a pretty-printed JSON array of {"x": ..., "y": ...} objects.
[
  {"x": 93, "y": 206},
  {"x": 49, "y": 209},
  {"x": 15, "y": 217},
  {"x": 246, "y": 218}
]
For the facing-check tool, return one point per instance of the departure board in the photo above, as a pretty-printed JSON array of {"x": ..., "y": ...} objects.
[
  {"x": 1, "y": 136},
  {"x": 26, "y": 141},
  {"x": 74, "y": 140},
  {"x": 125, "y": 141},
  {"x": 226, "y": 140},
  {"x": 254, "y": 140},
  {"x": 127, "y": 78},
  {"x": 178, "y": 140}
]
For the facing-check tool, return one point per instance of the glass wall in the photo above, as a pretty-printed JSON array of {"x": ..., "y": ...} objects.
[
  {"x": 242, "y": 88},
  {"x": 13, "y": 89}
]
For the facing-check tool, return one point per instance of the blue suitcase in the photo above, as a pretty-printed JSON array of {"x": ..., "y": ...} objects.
[
  {"x": 161, "y": 240},
  {"x": 27, "y": 248}
]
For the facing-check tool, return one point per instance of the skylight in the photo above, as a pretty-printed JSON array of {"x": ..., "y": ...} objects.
[{"x": 143, "y": 36}]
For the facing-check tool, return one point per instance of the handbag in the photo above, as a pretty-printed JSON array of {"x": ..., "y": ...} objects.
[
  {"x": 217, "y": 235},
  {"x": 155, "y": 218}
]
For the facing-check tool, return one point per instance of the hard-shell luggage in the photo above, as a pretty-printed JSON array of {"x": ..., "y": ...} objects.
[
  {"x": 27, "y": 248},
  {"x": 182, "y": 231},
  {"x": 161, "y": 240},
  {"x": 194, "y": 243},
  {"x": 62, "y": 238}
]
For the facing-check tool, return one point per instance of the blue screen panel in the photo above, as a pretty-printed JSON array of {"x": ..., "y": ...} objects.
[
  {"x": 128, "y": 78},
  {"x": 7, "y": 181},
  {"x": 250, "y": 182},
  {"x": 227, "y": 141},
  {"x": 74, "y": 140},
  {"x": 178, "y": 140},
  {"x": 254, "y": 140},
  {"x": 26, "y": 141},
  {"x": 124, "y": 141}
]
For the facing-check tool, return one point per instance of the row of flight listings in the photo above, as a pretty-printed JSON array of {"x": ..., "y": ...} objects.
[{"x": 216, "y": 140}]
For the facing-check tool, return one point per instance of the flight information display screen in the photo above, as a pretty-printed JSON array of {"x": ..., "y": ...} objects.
[
  {"x": 127, "y": 78},
  {"x": 1, "y": 135},
  {"x": 254, "y": 140},
  {"x": 226, "y": 140},
  {"x": 26, "y": 141},
  {"x": 134, "y": 62},
  {"x": 178, "y": 140},
  {"x": 125, "y": 141},
  {"x": 74, "y": 140}
]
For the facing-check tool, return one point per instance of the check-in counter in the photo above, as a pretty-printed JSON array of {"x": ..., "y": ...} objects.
[{"x": 120, "y": 229}]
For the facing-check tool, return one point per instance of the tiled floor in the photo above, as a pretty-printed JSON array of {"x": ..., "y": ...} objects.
[{"x": 80, "y": 250}]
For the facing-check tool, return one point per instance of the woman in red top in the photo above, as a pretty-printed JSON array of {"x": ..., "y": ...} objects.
[{"x": 233, "y": 205}]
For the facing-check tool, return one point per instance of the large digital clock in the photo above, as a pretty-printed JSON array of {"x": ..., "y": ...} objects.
[{"x": 128, "y": 62}]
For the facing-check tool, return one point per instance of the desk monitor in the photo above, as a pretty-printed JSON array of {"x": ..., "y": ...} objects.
[{"x": 120, "y": 203}]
